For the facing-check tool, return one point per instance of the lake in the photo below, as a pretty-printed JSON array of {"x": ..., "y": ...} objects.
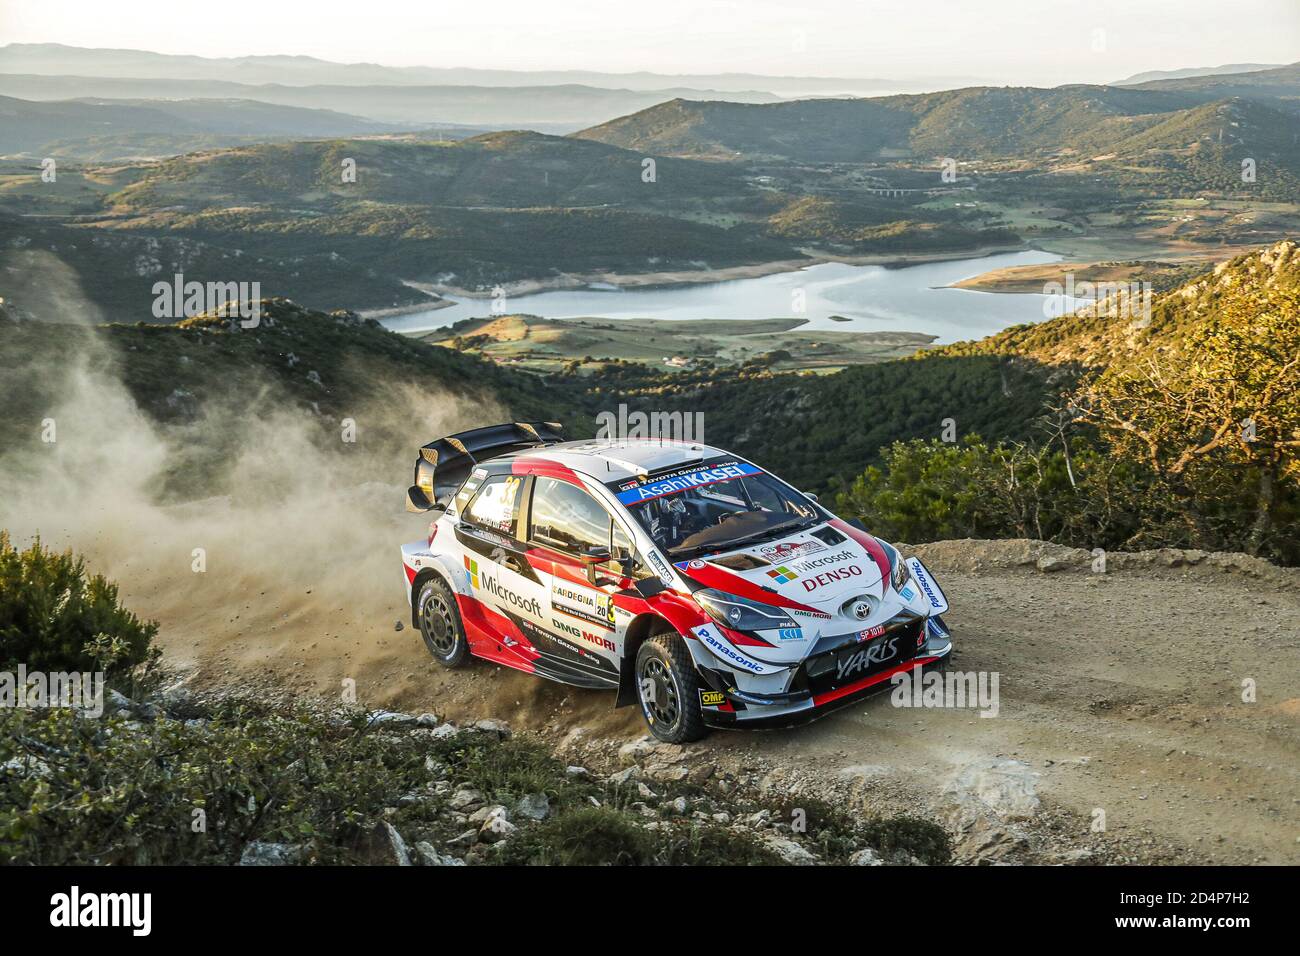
[{"x": 872, "y": 298}]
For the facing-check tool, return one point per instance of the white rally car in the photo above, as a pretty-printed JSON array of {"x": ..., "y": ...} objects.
[{"x": 688, "y": 579}]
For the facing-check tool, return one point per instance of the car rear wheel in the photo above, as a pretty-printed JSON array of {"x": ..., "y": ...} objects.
[
  {"x": 668, "y": 689},
  {"x": 440, "y": 624}
]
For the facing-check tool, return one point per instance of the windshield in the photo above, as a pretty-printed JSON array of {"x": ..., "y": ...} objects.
[{"x": 714, "y": 505}]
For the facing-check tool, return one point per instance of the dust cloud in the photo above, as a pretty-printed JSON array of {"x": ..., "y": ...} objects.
[{"x": 287, "y": 567}]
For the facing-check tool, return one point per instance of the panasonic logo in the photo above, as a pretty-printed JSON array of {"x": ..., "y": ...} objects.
[
  {"x": 725, "y": 651},
  {"x": 922, "y": 580}
]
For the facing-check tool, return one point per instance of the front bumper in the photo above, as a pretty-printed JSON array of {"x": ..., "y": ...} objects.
[{"x": 811, "y": 698}]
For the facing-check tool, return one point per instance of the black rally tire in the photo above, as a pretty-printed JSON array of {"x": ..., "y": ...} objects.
[
  {"x": 673, "y": 711},
  {"x": 439, "y": 622}
]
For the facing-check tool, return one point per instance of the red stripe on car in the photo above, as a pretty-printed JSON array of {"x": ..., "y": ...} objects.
[
  {"x": 712, "y": 576},
  {"x": 871, "y": 544},
  {"x": 546, "y": 469}
]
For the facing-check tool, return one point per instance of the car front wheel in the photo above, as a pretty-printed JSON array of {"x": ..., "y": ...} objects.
[
  {"x": 668, "y": 690},
  {"x": 440, "y": 624}
]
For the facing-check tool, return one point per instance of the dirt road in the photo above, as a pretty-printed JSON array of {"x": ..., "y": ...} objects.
[{"x": 1121, "y": 732}]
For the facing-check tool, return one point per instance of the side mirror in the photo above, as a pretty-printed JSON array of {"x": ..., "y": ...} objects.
[
  {"x": 417, "y": 501},
  {"x": 596, "y": 555},
  {"x": 810, "y": 496}
]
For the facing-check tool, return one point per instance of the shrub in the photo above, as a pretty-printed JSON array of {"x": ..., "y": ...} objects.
[
  {"x": 54, "y": 616},
  {"x": 595, "y": 836}
]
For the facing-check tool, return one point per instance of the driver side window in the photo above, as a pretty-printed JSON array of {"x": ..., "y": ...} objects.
[
  {"x": 496, "y": 506},
  {"x": 566, "y": 518}
]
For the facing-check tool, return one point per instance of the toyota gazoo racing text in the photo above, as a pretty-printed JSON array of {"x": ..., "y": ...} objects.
[{"x": 691, "y": 581}]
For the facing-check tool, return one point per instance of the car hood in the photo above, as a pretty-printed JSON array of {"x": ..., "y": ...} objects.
[{"x": 831, "y": 580}]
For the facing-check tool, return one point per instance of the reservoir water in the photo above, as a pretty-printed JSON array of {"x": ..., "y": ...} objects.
[{"x": 871, "y": 298}]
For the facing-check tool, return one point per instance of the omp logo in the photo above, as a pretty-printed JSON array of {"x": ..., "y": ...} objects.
[
  {"x": 924, "y": 581},
  {"x": 103, "y": 909},
  {"x": 712, "y": 698},
  {"x": 860, "y": 660},
  {"x": 834, "y": 574}
]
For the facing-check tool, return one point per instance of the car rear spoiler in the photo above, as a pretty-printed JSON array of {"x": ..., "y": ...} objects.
[{"x": 444, "y": 464}]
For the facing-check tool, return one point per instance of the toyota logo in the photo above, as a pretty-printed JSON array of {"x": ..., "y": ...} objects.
[{"x": 862, "y": 610}]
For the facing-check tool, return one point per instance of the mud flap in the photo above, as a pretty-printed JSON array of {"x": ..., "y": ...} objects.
[{"x": 626, "y": 684}]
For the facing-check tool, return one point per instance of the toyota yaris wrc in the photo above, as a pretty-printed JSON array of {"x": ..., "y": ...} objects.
[{"x": 689, "y": 580}]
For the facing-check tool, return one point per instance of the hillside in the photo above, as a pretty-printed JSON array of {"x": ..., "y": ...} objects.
[
  {"x": 1151, "y": 76},
  {"x": 1280, "y": 82},
  {"x": 1094, "y": 336},
  {"x": 470, "y": 214},
  {"x": 1115, "y": 130},
  {"x": 200, "y": 376},
  {"x": 99, "y": 129},
  {"x": 507, "y": 170}
]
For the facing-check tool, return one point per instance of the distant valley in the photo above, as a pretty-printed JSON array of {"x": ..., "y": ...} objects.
[{"x": 349, "y": 194}]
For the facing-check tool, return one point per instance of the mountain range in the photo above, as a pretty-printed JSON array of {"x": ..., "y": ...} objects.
[
  {"x": 973, "y": 123},
  {"x": 105, "y": 130},
  {"x": 1152, "y": 75},
  {"x": 55, "y": 58}
]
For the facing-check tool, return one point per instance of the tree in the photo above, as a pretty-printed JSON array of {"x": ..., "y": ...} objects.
[{"x": 1224, "y": 399}]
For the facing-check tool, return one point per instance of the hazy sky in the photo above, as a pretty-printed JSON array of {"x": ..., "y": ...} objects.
[{"x": 1041, "y": 42}]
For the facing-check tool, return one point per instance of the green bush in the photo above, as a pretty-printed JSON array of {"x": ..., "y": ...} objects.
[
  {"x": 54, "y": 616},
  {"x": 95, "y": 792},
  {"x": 1098, "y": 498},
  {"x": 596, "y": 836}
]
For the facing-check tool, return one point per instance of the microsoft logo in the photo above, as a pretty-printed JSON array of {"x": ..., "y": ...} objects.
[
  {"x": 781, "y": 574},
  {"x": 472, "y": 568}
]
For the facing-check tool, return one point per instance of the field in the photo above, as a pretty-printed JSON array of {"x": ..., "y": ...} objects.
[{"x": 546, "y": 345}]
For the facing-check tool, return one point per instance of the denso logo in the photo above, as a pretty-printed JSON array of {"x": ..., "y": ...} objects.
[
  {"x": 860, "y": 660},
  {"x": 922, "y": 580},
  {"x": 527, "y": 605},
  {"x": 835, "y": 574}
]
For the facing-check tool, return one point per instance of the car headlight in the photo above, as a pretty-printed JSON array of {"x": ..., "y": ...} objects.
[
  {"x": 898, "y": 572},
  {"x": 740, "y": 613}
]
